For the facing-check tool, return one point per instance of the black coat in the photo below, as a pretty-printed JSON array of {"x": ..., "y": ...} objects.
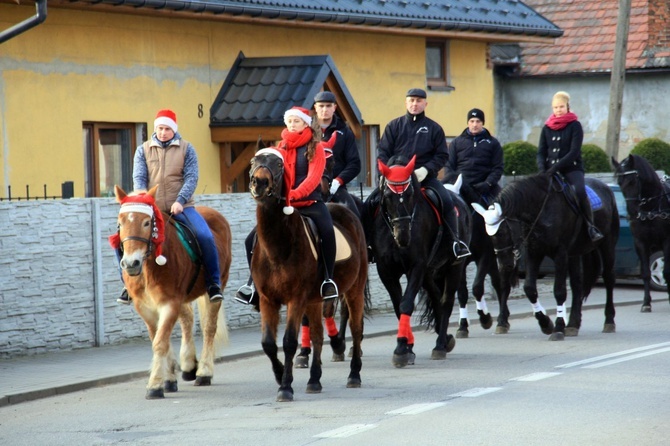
[
  {"x": 347, "y": 161},
  {"x": 479, "y": 158},
  {"x": 562, "y": 147}
]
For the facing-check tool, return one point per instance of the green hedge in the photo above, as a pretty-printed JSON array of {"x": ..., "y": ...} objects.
[
  {"x": 520, "y": 158},
  {"x": 656, "y": 151},
  {"x": 595, "y": 159}
]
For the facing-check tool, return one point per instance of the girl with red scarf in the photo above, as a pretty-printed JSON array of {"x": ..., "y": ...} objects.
[
  {"x": 560, "y": 150},
  {"x": 304, "y": 162}
]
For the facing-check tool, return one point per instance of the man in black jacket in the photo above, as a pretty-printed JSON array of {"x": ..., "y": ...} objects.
[
  {"x": 416, "y": 134},
  {"x": 347, "y": 161},
  {"x": 478, "y": 157}
]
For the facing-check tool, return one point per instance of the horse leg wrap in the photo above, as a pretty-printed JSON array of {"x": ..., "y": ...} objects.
[
  {"x": 537, "y": 308},
  {"x": 560, "y": 311},
  {"x": 481, "y": 305},
  {"x": 304, "y": 337},
  {"x": 404, "y": 328},
  {"x": 331, "y": 327},
  {"x": 463, "y": 313}
]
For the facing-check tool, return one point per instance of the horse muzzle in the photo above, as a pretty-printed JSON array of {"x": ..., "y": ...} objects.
[{"x": 132, "y": 265}]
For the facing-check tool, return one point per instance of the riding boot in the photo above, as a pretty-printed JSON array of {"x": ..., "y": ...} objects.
[
  {"x": 124, "y": 298},
  {"x": 593, "y": 231},
  {"x": 328, "y": 287},
  {"x": 460, "y": 248},
  {"x": 369, "y": 210}
]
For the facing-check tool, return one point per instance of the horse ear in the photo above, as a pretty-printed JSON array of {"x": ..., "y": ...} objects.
[
  {"x": 410, "y": 165},
  {"x": 152, "y": 191},
  {"x": 259, "y": 143},
  {"x": 119, "y": 193},
  {"x": 383, "y": 169},
  {"x": 615, "y": 164}
]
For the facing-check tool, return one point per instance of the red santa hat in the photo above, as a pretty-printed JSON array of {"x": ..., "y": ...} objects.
[
  {"x": 300, "y": 112},
  {"x": 166, "y": 117}
]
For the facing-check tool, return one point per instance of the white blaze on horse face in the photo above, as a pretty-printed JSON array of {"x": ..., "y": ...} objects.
[{"x": 492, "y": 216}]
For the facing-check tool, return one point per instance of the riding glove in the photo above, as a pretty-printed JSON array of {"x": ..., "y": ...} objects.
[
  {"x": 421, "y": 173},
  {"x": 334, "y": 186}
]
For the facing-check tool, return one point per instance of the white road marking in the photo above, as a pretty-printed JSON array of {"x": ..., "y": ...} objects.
[
  {"x": 475, "y": 392},
  {"x": 415, "y": 409},
  {"x": 536, "y": 376},
  {"x": 627, "y": 358},
  {"x": 611, "y": 355},
  {"x": 346, "y": 431}
]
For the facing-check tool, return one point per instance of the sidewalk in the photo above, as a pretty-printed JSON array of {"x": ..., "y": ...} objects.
[{"x": 40, "y": 376}]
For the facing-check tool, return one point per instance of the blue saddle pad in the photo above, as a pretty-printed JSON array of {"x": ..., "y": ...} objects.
[{"x": 596, "y": 202}]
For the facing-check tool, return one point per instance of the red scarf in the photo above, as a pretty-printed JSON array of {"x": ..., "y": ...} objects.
[
  {"x": 560, "y": 122},
  {"x": 291, "y": 141}
]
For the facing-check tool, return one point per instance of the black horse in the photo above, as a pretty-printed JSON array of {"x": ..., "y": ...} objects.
[
  {"x": 540, "y": 214},
  {"x": 484, "y": 258},
  {"x": 408, "y": 238},
  {"x": 649, "y": 213}
]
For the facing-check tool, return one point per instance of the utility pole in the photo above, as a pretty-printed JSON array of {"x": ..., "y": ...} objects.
[{"x": 617, "y": 80}]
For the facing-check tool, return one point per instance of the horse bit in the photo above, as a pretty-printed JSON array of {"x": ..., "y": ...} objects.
[{"x": 143, "y": 209}]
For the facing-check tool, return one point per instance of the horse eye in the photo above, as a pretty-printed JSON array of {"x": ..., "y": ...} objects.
[{"x": 253, "y": 160}]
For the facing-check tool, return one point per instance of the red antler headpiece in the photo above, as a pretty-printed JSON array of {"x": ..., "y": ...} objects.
[{"x": 397, "y": 177}]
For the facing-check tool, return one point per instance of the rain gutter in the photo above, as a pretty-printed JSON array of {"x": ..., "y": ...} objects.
[{"x": 39, "y": 17}]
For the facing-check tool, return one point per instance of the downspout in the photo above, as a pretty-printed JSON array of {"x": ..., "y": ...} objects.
[{"x": 39, "y": 17}]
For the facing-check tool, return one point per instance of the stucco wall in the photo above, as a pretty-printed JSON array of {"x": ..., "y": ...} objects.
[
  {"x": 107, "y": 67},
  {"x": 523, "y": 105},
  {"x": 49, "y": 253}
]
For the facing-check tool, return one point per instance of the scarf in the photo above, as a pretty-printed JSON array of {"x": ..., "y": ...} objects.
[
  {"x": 295, "y": 140},
  {"x": 559, "y": 123}
]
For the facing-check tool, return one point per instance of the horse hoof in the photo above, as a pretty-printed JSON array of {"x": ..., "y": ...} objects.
[
  {"x": 338, "y": 345},
  {"x": 546, "y": 324},
  {"x": 284, "y": 396},
  {"x": 645, "y": 309},
  {"x": 353, "y": 383},
  {"x": 438, "y": 354},
  {"x": 337, "y": 357},
  {"x": 558, "y": 336},
  {"x": 411, "y": 357},
  {"x": 203, "y": 381},
  {"x": 451, "y": 343},
  {"x": 301, "y": 362},
  {"x": 155, "y": 394},
  {"x": 400, "y": 361},
  {"x": 188, "y": 376},
  {"x": 501, "y": 329},
  {"x": 462, "y": 334},
  {"x": 314, "y": 387},
  {"x": 609, "y": 328},
  {"x": 571, "y": 331},
  {"x": 170, "y": 386},
  {"x": 485, "y": 320}
]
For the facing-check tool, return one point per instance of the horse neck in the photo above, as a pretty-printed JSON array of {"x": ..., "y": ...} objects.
[{"x": 278, "y": 233}]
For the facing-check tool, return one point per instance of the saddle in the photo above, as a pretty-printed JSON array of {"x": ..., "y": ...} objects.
[
  {"x": 188, "y": 240},
  {"x": 571, "y": 196},
  {"x": 343, "y": 250}
]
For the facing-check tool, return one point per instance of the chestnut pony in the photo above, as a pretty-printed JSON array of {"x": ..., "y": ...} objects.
[
  {"x": 162, "y": 294},
  {"x": 286, "y": 272}
]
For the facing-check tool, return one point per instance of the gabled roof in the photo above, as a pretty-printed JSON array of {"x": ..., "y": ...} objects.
[
  {"x": 501, "y": 17},
  {"x": 258, "y": 90},
  {"x": 590, "y": 34}
]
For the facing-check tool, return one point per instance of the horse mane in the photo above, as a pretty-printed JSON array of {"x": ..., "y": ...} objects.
[
  {"x": 646, "y": 172},
  {"x": 524, "y": 194}
]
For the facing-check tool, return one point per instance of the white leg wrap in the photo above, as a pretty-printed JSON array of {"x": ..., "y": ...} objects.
[
  {"x": 464, "y": 313},
  {"x": 560, "y": 312},
  {"x": 537, "y": 307},
  {"x": 482, "y": 305}
]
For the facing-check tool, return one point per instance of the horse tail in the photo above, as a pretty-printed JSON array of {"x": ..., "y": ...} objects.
[
  {"x": 428, "y": 312},
  {"x": 591, "y": 269},
  {"x": 367, "y": 306},
  {"x": 221, "y": 336}
]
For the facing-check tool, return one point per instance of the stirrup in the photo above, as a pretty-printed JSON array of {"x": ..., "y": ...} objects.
[
  {"x": 329, "y": 290},
  {"x": 245, "y": 293},
  {"x": 461, "y": 249}
]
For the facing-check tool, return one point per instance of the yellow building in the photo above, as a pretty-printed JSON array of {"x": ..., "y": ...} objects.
[{"x": 81, "y": 81}]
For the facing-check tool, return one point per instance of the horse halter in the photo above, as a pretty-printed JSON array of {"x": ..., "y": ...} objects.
[
  {"x": 399, "y": 188},
  {"x": 142, "y": 209}
]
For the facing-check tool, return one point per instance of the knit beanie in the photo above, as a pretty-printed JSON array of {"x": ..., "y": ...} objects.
[{"x": 476, "y": 113}]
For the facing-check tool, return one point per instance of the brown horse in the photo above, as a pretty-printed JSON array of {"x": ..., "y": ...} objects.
[
  {"x": 286, "y": 272},
  {"x": 162, "y": 294}
]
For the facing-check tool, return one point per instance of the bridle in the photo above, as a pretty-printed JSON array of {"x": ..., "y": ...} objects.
[
  {"x": 643, "y": 201},
  {"x": 142, "y": 209},
  {"x": 399, "y": 188},
  {"x": 276, "y": 168}
]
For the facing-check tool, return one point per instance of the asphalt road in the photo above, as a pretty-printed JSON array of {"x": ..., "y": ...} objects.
[{"x": 515, "y": 389}]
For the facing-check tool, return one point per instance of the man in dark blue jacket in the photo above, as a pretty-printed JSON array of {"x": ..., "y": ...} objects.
[{"x": 478, "y": 157}]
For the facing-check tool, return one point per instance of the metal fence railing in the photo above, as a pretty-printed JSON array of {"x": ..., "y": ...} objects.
[{"x": 67, "y": 191}]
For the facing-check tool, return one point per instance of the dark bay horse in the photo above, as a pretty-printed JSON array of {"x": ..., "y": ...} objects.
[
  {"x": 534, "y": 214},
  {"x": 286, "y": 272},
  {"x": 409, "y": 239},
  {"x": 648, "y": 208},
  {"x": 162, "y": 292},
  {"x": 484, "y": 258},
  {"x": 336, "y": 336}
]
